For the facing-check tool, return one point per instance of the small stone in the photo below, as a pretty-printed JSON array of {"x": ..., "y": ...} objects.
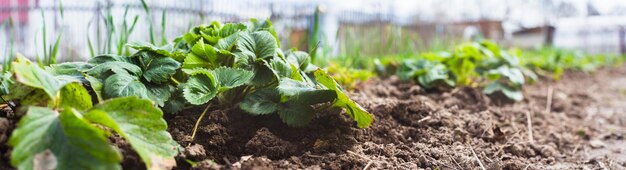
[{"x": 595, "y": 144}]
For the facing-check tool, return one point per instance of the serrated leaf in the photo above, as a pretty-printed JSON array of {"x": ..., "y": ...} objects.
[
  {"x": 96, "y": 85},
  {"x": 204, "y": 51},
  {"x": 104, "y": 70},
  {"x": 228, "y": 42},
  {"x": 176, "y": 103},
  {"x": 32, "y": 75},
  {"x": 295, "y": 114},
  {"x": 74, "y": 143},
  {"x": 108, "y": 58},
  {"x": 70, "y": 71},
  {"x": 200, "y": 88},
  {"x": 121, "y": 85},
  {"x": 261, "y": 43},
  {"x": 290, "y": 87},
  {"x": 157, "y": 68},
  {"x": 145, "y": 46},
  {"x": 299, "y": 59},
  {"x": 261, "y": 102},
  {"x": 159, "y": 93},
  {"x": 231, "y": 28},
  {"x": 280, "y": 67},
  {"x": 141, "y": 124},
  {"x": 193, "y": 61},
  {"x": 263, "y": 75},
  {"x": 232, "y": 77},
  {"x": 74, "y": 95},
  {"x": 354, "y": 110}
]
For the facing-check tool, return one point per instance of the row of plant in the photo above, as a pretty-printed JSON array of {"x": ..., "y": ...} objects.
[
  {"x": 481, "y": 64},
  {"x": 68, "y": 110}
]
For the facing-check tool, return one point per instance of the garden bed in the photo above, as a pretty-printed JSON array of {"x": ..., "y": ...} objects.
[{"x": 414, "y": 128}]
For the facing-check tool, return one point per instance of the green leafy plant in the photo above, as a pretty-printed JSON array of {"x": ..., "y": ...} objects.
[
  {"x": 243, "y": 64},
  {"x": 63, "y": 129},
  {"x": 476, "y": 64},
  {"x": 348, "y": 77},
  {"x": 427, "y": 73},
  {"x": 238, "y": 64}
]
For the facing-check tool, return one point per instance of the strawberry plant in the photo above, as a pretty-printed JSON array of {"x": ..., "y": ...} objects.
[
  {"x": 237, "y": 64},
  {"x": 243, "y": 64},
  {"x": 63, "y": 129},
  {"x": 481, "y": 64}
]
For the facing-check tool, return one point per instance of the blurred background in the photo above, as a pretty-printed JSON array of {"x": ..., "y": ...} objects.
[{"x": 77, "y": 29}]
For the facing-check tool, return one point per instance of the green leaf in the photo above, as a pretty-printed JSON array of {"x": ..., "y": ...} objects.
[
  {"x": 281, "y": 68},
  {"x": 200, "y": 88},
  {"x": 204, "y": 51},
  {"x": 141, "y": 124},
  {"x": 261, "y": 102},
  {"x": 261, "y": 43},
  {"x": 516, "y": 95},
  {"x": 231, "y": 28},
  {"x": 144, "y": 46},
  {"x": 74, "y": 95},
  {"x": 96, "y": 86},
  {"x": 176, "y": 103},
  {"x": 157, "y": 68},
  {"x": 121, "y": 85},
  {"x": 104, "y": 70},
  {"x": 299, "y": 59},
  {"x": 314, "y": 97},
  {"x": 193, "y": 61},
  {"x": 228, "y": 78},
  {"x": 70, "y": 71},
  {"x": 295, "y": 114},
  {"x": 263, "y": 75},
  {"x": 227, "y": 43},
  {"x": 32, "y": 75},
  {"x": 108, "y": 58},
  {"x": 159, "y": 93},
  {"x": 290, "y": 87},
  {"x": 354, "y": 110},
  {"x": 5, "y": 83},
  {"x": 73, "y": 142},
  {"x": 510, "y": 92}
]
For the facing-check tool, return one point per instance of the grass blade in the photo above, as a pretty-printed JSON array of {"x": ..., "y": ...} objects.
[
  {"x": 163, "y": 37},
  {"x": 55, "y": 49},
  {"x": 61, "y": 8},
  {"x": 150, "y": 23},
  {"x": 45, "y": 49}
]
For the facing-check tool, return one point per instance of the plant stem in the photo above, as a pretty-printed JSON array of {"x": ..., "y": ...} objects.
[
  {"x": 9, "y": 104},
  {"x": 195, "y": 128}
]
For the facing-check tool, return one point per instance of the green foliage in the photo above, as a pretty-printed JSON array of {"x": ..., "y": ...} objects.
[
  {"x": 242, "y": 64},
  {"x": 146, "y": 74},
  {"x": 354, "y": 110},
  {"x": 477, "y": 64},
  {"x": 552, "y": 62},
  {"x": 140, "y": 124},
  {"x": 233, "y": 62},
  {"x": 64, "y": 140},
  {"x": 349, "y": 77},
  {"x": 427, "y": 73},
  {"x": 61, "y": 133}
]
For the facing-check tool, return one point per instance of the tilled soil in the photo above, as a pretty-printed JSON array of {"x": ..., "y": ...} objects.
[{"x": 583, "y": 127}]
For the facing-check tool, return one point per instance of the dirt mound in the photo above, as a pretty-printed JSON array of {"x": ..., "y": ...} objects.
[
  {"x": 416, "y": 128},
  {"x": 583, "y": 127}
]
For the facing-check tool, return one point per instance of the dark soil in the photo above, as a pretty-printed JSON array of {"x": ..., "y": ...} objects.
[{"x": 416, "y": 128}]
